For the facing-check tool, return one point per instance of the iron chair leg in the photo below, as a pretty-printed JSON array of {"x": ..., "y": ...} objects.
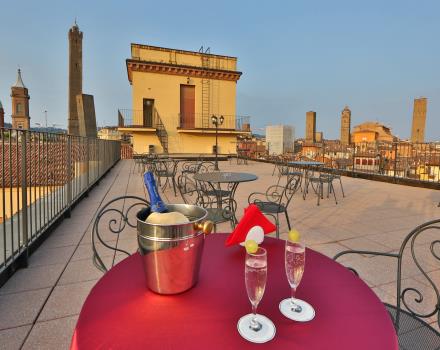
[
  {"x": 334, "y": 194},
  {"x": 342, "y": 188},
  {"x": 320, "y": 190},
  {"x": 287, "y": 219},
  {"x": 174, "y": 186}
]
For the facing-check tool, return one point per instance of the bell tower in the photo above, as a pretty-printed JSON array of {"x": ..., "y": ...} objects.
[
  {"x": 345, "y": 126},
  {"x": 75, "y": 77},
  {"x": 2, "y": 116},
  {"x": 20, "y": 104}
]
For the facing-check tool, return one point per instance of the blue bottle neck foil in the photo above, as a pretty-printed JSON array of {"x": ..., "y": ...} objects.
[{"x": 156, "y": 203}]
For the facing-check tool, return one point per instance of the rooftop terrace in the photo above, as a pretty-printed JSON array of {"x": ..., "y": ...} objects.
[{"x": 40, "y": 304}]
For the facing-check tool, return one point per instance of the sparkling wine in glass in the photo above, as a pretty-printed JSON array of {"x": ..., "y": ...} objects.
[
  {"x": 294, "y": 260},
  {"x": 254, "y": 327}
]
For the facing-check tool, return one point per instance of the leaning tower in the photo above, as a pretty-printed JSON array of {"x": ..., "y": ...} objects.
[
  {"x": 345, "y": 126},
  {"x": 75, "y": 77}
]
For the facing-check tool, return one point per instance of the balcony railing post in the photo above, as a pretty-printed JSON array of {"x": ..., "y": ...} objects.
[
  {"x": 24, "y": 206},
  {"x": 69, "y": 176},
  {"x": 87, "y": 166},
  {"x": 395, "y": 158}
]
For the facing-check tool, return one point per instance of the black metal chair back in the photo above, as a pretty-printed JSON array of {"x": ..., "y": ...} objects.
[
  {"x": 113, "y": 218},
  {"x": 206, "y": 167},
  {"x": 434, "y": 250},
  {"x": 430, "y": 230},
  {"x": 166, "y": 169}
]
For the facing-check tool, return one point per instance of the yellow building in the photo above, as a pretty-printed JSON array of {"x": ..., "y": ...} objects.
[
  {"x": 175, "y": 93},
  {"x": 371, "y": 132}
]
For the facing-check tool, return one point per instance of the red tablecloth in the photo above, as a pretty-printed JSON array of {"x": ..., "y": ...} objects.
[{"x": 121, "y": 313}]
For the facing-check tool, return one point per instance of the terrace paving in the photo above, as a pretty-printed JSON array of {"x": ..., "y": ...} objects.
[{"x": 40, "y": 305}]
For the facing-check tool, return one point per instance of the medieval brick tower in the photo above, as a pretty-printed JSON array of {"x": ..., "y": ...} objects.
[
  {"x": 419, "y": 120},
  {"x": 2, "y": 116},
  {"x": 345, "y": 126},
  {"x": 20, "y": 104},
  {"x": 75, "y": 77},
  {"x": 311, "y": 126}
]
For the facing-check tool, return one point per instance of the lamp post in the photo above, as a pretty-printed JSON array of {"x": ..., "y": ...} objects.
[{"x": 216, "y": 121}]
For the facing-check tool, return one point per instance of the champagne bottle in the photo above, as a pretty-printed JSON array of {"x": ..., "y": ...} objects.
[{"x": 156, "y": 203}]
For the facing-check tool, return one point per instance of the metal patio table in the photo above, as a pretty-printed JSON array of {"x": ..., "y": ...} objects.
[
  {"x": 231, "y": 179},
  {"x": 309, "y": 167},
  {"x": 121, "y": 313}
]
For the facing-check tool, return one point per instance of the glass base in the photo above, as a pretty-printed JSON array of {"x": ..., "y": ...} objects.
[
  {"x": 306, "y": 314},
  {"x": 266, "y": 333}
]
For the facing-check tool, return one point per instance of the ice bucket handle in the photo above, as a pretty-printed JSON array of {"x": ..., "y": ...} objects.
[{"x": 206, "y": 226}]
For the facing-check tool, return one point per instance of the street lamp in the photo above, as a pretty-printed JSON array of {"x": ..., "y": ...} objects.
[{"x": 216, "y": 121}]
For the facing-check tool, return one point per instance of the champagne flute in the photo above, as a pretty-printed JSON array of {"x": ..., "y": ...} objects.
[
  {"x": 294, "y": 260},
  {"x": 254, "y": 327}
]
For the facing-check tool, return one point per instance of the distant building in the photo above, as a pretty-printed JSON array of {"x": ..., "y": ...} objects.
[
  {"x": 319, "y": 136},
  {"x": 109, "y": 133},
  {"x": 372, "y": 132},
  {"x": 419, "y": 120},
  {"x": 20, "y": 104},
  {"x": 75, "y": 77},
  {"x": 2, "y": 116},
  {"x": 345, "y": 126},
  {"x": 279, "y": 139},
  {"x": 252, "y": 147},
  {"x": 175, "y": 94},
  {"x": 311, "y": 126}
]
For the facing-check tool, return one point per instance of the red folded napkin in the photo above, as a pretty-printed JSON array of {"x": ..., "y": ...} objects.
[{"x": 253, "y": 225}]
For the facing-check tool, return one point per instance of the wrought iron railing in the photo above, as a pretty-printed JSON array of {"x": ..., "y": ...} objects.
[
  {"x": 41, "y": 176},
  {"x": 400, "y": 160},
  {"x": 132, "y": 118},
  {"x": 202, "y": 121}
]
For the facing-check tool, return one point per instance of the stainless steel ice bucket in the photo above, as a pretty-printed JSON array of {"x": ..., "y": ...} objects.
[{"x": 172, "y": 254}]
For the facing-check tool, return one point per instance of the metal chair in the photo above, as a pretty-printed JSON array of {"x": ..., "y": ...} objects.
[
  {"x": 219, "y": 209},
  {"x": 276, "y": 200},
  {"x": 166, "y": 169},
  {"x": 138, "y": 159},
  {"x": 317, "y": 181},
  {"x": 335, "y": 176},
  {"x": 284, "y": 169},
  {"x": 114, "y": 217},
  {"x": 408, "y": 314}
]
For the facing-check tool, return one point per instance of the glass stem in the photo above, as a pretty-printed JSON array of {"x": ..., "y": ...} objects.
[
  {"x": 255, "y": 325},
  {"x": 292, "y": 295},
  {"x": 254, "y": 311}
]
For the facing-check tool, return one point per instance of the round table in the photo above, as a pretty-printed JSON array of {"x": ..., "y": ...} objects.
[
  {"x": 215, "y": 179},
  {"x": 225, "y": 177},
  {"x": 121, "y": 313},
  {"x": 306, "y": 163}
]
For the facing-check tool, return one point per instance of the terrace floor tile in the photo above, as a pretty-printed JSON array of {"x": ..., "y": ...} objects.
[
  {"x": 12, "y": 338},
  {"x": 32, "y": 278},
  {"x": 20, "y": 309},
  {"x": 51, "y": 335},
  {"x": 66, "y": 300}
]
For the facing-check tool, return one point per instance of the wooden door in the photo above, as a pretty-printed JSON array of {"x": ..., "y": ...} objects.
[
  {"x": 148, "y": 113},
  {"x": 187, "y": 106}
]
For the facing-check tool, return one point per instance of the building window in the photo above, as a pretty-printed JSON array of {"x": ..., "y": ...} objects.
[
  {"x": 20, "y": 126},
  {"x": 18, "y": 108}
]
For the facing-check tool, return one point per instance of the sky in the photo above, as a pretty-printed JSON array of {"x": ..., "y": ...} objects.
[{"x": 296, "y": 56}]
